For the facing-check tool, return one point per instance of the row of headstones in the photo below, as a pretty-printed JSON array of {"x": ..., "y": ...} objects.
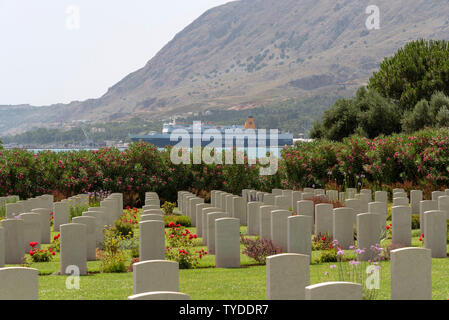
[
  {"x": 78, "y": 241},
  {"x": 21, "y": 206},
  {"x": 290, "y": 232},
  {"x": 217, "y": 224},
  {"x": 8, "y": 199},
  {"x": 152, "y": 232},
  {"x": 287, "y": 278},
  {"x": 26, "y": 221},
  {"x": 276, "y": 223},
  {"x": 152, "y": 280},
  {"x": 262, "y": 221},
  {"x": 81, "y": 238}
]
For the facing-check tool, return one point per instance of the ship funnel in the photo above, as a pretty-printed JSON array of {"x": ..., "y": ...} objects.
[{"x": 250, "y": 124}]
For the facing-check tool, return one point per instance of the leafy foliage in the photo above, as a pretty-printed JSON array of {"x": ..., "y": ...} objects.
[
  {"x": 259, "y": 249},
  {"x": 408, "y": 93},
  {"x": 414, "y": 73},
  {"x": 367, "y": 114}
]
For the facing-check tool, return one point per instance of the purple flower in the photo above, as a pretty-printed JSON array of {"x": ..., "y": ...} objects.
[
  {"x": 326, "y": 273},
  {"x": 333, "y": 266},
  {"x": 340, "y": 252},
  {"x": 354, "y": 263}
]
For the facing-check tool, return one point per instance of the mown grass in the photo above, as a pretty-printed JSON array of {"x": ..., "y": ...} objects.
[{"x": 208, "y": 282}]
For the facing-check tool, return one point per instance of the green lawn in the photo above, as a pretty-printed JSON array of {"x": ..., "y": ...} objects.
[{"x": 208, "y": 282}]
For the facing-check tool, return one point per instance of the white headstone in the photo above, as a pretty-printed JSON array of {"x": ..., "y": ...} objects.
[
  {"x": 211, "y": 217},
  {"x": 253, "y": 209},
  {"x": 306, "y": 208},
  {"x": 324, "y": 219},
  {"x": 337, "y": 290},
  {"x": 299, "y": 236},
  {"x": 91, "y": 238},
  {"x": 155, "y": 275},
  {"x": 411, "y": 274},
  {"x": 14, "y": 240},
  {"x": 61, "y": 214},
  {"x": 416, "y": 196},
  {"x": 343, "y": 227},
  {"x": 73, "y": 253},
  {"x": 435, "y": 233},
  {"x": 151, "y": 240},
  {"x": 402, "y": 225},
  {"x": 265, "y": 221},
  {"x": 426, "y": 205},
  {"x": 19, "y": 284},
  {"x": 45, "y": 224},
  {"x": 160, "y": 295},
  {"x": 31, "y": 229},
  {"x": 279, "y": 227},
  {"x": 227, "y": 243},
  {"x": 368, "y": 234},
  {"x": 287, "y": 276}
]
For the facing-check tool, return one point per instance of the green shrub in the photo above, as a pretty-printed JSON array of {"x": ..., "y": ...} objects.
[
  {"x": 131, "y": 244},
  {"x": 77, "y": 211},
  {"x": 113, "y": 263},
  {"x": 182, "y": 220},
  {"x": 448, "y": 231},
  {"x": 321, "y": 242},
  {"x": 123, "y": 228},
  {"x": 112, "y": 259},
  {"x": 415, "y": 222},
  {"x": 328, "y": 256},
  {"x": 168, "y": 208}
]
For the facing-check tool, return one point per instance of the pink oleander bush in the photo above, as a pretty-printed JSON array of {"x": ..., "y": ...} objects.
[{"x": 416, "y": 161}]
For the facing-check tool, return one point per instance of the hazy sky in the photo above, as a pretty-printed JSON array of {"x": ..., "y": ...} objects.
[{"x": 54, "y": 51}]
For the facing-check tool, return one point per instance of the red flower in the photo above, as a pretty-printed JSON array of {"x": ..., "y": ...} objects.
[
  {"x": 31, "y": 252},
  {"x": 33, "y": 244}
]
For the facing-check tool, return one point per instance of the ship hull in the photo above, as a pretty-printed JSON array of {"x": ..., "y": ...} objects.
[{"x": 162, "y": 142}]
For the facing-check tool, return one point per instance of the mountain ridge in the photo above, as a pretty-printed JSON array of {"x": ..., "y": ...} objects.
[{"x": 259, "y": 52}]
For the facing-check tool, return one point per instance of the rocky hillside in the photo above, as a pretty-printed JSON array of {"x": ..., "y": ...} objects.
[{"x": 254, "y": 52}]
